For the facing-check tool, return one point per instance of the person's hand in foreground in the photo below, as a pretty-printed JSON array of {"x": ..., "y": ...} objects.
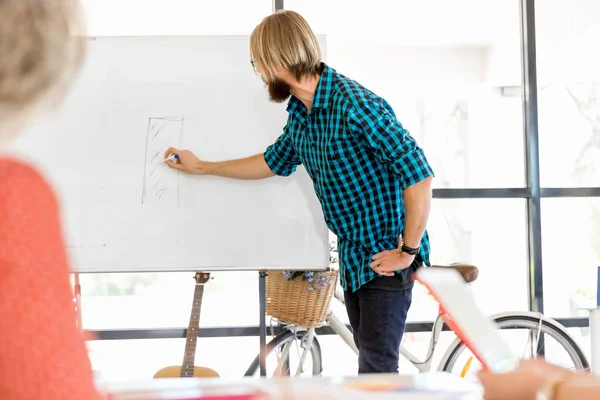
[{"x": 536, "y": 375}]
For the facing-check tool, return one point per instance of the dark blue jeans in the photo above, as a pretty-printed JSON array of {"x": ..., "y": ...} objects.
[{"x": 378, "y": 319}]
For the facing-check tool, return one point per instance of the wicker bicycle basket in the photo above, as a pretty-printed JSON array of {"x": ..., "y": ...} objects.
[{"x": 292, "y": 302}]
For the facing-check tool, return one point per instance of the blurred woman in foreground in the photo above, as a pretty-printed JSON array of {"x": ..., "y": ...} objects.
[{"x": 42, "y": 352}]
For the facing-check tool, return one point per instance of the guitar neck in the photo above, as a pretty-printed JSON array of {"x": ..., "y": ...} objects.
[{"x": 187, "y": 368}]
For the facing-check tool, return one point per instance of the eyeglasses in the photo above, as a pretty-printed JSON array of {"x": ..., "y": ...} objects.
[{"x": 253, "y": 62}]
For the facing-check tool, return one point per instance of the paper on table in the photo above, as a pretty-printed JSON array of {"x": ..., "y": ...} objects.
[
  {"x": 371, "y": 388},
  {"x": 183, "y": 389}
]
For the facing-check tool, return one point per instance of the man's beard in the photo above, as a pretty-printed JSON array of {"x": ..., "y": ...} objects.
[{"x": 279, "y": 90}]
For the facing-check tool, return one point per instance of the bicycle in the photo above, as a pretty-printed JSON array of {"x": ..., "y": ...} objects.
[{"x": 456, "y": 357}]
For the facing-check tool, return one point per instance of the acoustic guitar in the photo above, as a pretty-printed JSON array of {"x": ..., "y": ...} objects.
[{"x": 188, "y": 369}]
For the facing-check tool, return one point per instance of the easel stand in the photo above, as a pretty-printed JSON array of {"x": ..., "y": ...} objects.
[
  {"x": 77, "y": 294},
  {"x": 262, "y": 327}
]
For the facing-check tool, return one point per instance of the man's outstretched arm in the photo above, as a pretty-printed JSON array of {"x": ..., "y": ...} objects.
[{"x": 254, "y": 167}]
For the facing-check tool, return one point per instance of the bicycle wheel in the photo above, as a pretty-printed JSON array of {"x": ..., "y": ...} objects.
[
  {"x": 296, "y": 342},
  {"x": 557, "y": 346}
]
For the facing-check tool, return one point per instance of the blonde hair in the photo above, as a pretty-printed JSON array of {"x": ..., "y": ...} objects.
[
  {"x": 285, "y": 39},
  {"x": 39, "y": 52}
]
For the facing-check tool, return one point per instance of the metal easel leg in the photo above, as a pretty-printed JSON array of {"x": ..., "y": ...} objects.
[
  {"x": 77, "y": 293},
  {"x": 262, "y": 322}
]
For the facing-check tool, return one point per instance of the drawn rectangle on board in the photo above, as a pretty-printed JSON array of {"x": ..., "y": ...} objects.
[{"x": 161, "y": 184}]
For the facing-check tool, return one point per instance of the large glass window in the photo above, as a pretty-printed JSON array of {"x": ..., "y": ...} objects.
[
  {"x": 568, "y": 76},
  {"x": 164, "y": 300},
  {"x": 124, "y": 360},
  {"x": 569, "y": 92},
  {"x": 491, "y": 234},
  {"x": 571, "y": 254}
]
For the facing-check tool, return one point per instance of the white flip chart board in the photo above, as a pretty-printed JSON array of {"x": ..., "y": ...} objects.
[{"x": 125, "y": 210}]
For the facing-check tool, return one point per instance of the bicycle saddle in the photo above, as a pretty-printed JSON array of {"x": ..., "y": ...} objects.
[{"x": 468, "y": 272}]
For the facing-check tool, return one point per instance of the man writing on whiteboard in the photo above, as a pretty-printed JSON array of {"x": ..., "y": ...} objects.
[{"x": 371, "y": 177}]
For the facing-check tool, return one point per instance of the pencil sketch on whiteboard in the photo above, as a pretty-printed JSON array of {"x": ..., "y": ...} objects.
[{"x": 161, "y": 186}]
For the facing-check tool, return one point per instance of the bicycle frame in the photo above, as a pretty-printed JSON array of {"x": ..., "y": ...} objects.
[{"x": 422, "y": 365}]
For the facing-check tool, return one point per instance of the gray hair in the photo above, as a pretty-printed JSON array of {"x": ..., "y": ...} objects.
[{"x": 40, "y": 52}]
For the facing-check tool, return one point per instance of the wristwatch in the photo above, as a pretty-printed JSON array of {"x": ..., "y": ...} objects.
[{"x": 409, "y": 250}]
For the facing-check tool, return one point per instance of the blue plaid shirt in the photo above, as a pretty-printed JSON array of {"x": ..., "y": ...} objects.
[{"x": 360, "y": 159}]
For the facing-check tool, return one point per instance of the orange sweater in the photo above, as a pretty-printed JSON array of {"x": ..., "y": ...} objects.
[{"x": 42, "y": 353}]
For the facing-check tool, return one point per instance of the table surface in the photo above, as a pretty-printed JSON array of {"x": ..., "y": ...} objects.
[{"x": 424, "y": 386}]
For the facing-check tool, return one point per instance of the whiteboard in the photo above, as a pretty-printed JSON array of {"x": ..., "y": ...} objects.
[{"x": 125, "y": 210}]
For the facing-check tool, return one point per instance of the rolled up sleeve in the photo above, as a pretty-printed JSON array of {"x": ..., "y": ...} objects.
[
  {"x": 281, "y": 156},
  {"x": 378, "y": 128}
]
